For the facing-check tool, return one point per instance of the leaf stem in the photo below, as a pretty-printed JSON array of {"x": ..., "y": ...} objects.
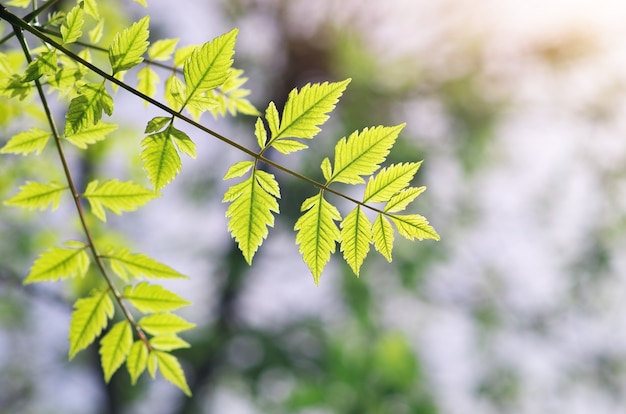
[{"x": 76, "y": 195}]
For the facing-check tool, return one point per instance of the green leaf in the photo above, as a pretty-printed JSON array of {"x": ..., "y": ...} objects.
[
  {"x": 183, "y": 142},
  {"x": 34, "y": 195},
  {"x": 232, "y": 98},
  {"x": 327, "y": 169},
  {"x": 27, "y": 142},
  {"x": 152, "y": 364},
  {"x": 59, "y": 263},
  {"x": 114, "y": 347},
  {"x": 209, "y": 65},
  {"x": 89, "y": 318},
  {"x": 44, "y": 64},
  {"x": 287, "y": 146},
  {"x": 168, "y": 343},
  {"x": 383, "y": 236},
  {"x": 362, "y": 153},
  {"x": 116, "y": 196},
  {"x": 160, "y": 159},
  {"x": 238, "y": 169},
  {"x": 260, "y": 133},
  {"x": 86, "y": 109},
  {"x": 307, "y": 108},
  {"x": 129, "y": 45},
  {"x": 91, "y": 134},
  {"x": 272, "y": 118},
  {"x": 95, "y": 34},
  {"x": 402, "y": 199},
  {"x": 414, "y": 226},
  {"x": 356, "y": 236},
  {"x": 148, "y": 80},
  {"x": 64, "y": 80},
  {"x": 19, "y": 3},
  {"x": 91, "y": 8},
  {"x": 172, "y": 371},
  {"x": 250, "y": 211},
  {"x": 13, "y": 86},
  {"x": 162, "y": 49},
  {"x": 157, "y": 123},
  {"x": 137, "y": 360},
  {"x": 72, "y": 27},
  {"x": 390, "y": 181},
  {"x": 174, "y": 93},
  {"x": 144, "y": 3},
  {"x": 317, "y": 233},
  {"x": 124, "y": 263},
  {"x": 164, "y": 324},
  {"x": 148, "y": 298}
]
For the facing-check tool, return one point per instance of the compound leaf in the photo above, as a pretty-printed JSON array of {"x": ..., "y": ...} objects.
[
  {"x": 250, "y": 211},
  {"x": 129, "y": 45},
  {"x": 160, "y": 159},
  {"x": 59, "y": 263},
  {"x": 164, "y": 324},
  {"x": 209, "y": 65},
  {"x": 34, "y": 195},
  {"x": 44, "y": 64},
  {"x": 238, "y": 169},
  {"x": 90, "y": 134},
  {"x": 390, "y": 181},
  {"x": 116, "y": 196},
  {"x": 148, "y": 298},
  {"x": 183, "y": 142},
  {"x": 114, "y": 347},
  {"x": 356, "y": 236},
  {"x": 89, "y": 318},
  {"x": 172, "y": 371},
  {"x": 27, "y": 142},
  {"x": 362, "y": 153},
  {"x": 306, "y": 109},
  {"x": 414, "y": 226},
  {"x": 124, "y": 263},
  {"x": 157, "y": 123},
  {"x": 137, "y": 360},
  {"x": 317, "y": 233}
]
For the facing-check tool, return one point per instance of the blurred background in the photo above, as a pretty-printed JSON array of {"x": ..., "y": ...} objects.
[{"x": 518, "y": 111}]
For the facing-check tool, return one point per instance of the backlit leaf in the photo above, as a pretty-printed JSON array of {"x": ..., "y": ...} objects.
[
  {"x": 238, "y": 169},
  {"x": 402, "y": 199},
  {"x": 383, "y": 236},
  {"x": 250, "y": 213},
  {"x": 171, "y": 370},
  {"x": 362, "y": 153},
  {"x": 390, "y": 181},
  {"x": 414, "y": 226},
  {"x": 89, "y": 318},
  {"x": 287, "y": 146},
  {"x": 209, "y": 65},
  {"x": 116, "y": 196},
  {"x": 86, "y": 109},
  {"x": 59, "y": 263},
  {"x": 157, "y": 123},
  {"x": 91, "y": 134},
  {"x": 183, "y": 142},
  {"x": 356, "y": 236},
  {"x": 95, "y": 34},
  {"x": 168, "y": 343},
  {"x": 129, "y": 45},
  {"x": 44, "y": 64},
  {"x": 148, "y": 298},
  {"x": 148, "y": 80},
  {"x": 72, "y": 27},
  {"x": 125, "y": 264},
  {"x": 260, "y": 133},
  {"x": 91, "y": 8},
  {"x": 114, "y": 347},
  {"x": 307, "y": 108},
  {"x": 137, "y": 360},
  {"x": 317, "y": 233},
  {"x": 162, "y": 49},
  {"x": 27, "y": 142},
  {"x": 160, "y": 159},
  {"x": 164, "y": 324},
  {"x": 34, "y": 195}
]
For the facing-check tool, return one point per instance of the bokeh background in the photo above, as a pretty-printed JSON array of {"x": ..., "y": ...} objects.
[{"x": 517, "y": 109}]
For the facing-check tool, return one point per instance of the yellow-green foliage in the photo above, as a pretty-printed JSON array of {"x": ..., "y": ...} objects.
[{"x": 198, "y": 79}]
